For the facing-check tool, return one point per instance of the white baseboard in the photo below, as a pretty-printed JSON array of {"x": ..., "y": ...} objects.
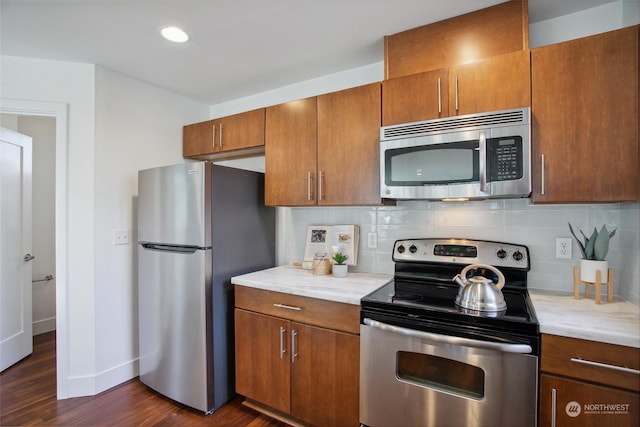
[
  {"x": 90, "y": 385},
  {"x": 44, "y": 326}
]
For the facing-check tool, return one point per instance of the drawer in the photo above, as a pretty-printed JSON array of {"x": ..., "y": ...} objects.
[
  {"x": 591, "y": 361},
  {"x": 311, "y": 311}
]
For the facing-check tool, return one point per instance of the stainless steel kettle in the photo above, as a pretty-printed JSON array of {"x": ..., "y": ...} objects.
[{"x": 479, "y": 293}]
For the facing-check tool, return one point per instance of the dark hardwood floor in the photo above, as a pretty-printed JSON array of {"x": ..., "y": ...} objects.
[{"x": 28, "y": 398}]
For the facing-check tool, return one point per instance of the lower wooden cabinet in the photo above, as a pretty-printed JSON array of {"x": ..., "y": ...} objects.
[
  {"x": 305, "y": 371},
  {"x": 565, "y": 402},
  {"x": 587, "y": 383}
]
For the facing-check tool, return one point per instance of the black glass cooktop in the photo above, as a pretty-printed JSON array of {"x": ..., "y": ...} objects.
[{"x": 431, "y": 302}]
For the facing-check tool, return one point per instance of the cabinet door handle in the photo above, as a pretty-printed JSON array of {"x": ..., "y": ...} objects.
[
  {"x": 220, "y": 135},
  {"x": 553, "y": 407},
  {"x": 309, "y": 185},
  {"x": 439, "y": 98},
  {"x": 283, "y": 350},
  {"x": 294, "y": 354},
  {"x": 605, "y": 365},
  {"x": 28, "y": 257},
  {"x": 542, "y": 174},
  {"x": 288, "y": 307},
  {"x": 456, "y": 87},
  {"x": 213, "y": 137},
  {"x": 319, "y": 185}
]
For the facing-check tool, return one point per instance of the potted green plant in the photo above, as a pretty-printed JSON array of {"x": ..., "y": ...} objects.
[
  {"x": 339, "y": 268},
  {"x": 594, "y": 251}
]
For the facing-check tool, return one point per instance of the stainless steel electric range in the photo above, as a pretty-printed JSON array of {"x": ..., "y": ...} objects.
[{"x": 428, "y": 359}]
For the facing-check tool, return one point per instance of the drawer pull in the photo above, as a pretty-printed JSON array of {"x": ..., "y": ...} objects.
[
  {"x": 288, "y": 307},
  {"x": 605, "y": 365}
]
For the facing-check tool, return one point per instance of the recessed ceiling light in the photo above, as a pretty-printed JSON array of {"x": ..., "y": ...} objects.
[{"x": 174, "y": 34}]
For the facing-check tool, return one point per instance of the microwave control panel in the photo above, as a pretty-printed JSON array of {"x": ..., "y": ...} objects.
[{"x": 505, "y": 158}]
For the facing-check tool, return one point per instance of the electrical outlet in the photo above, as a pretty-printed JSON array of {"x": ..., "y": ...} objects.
[
  {"x": 563, "y": 247},
  {"x": 372, "y": 240},
  {"x": 120, "y": 237}
]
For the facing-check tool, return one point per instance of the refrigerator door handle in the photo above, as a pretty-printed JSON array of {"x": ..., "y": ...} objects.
[{"x": 171, "y": 248}]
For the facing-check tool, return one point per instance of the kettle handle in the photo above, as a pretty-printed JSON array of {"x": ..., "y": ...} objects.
[{"x": 501, "y": 279}]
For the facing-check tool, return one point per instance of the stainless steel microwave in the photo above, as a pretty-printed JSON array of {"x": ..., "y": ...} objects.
[{"x": 470, "y": 157}]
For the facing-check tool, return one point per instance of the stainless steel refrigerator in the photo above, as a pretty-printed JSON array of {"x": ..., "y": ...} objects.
[{"x": 199, "y": 224}]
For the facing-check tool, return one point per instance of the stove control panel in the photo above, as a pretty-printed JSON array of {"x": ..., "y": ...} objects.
[{"x": 462, "y": 251}]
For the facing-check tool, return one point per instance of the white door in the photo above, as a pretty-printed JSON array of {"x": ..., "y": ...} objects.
[{"x": 16, "y": 341}]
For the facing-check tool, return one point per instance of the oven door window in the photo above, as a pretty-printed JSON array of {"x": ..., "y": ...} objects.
[
  {"x": 448, "y": 163},
  {"x": 440, "y": 373}
]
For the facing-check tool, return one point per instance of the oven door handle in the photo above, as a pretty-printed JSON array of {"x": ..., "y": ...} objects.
[{"x": 447, "y": 339}]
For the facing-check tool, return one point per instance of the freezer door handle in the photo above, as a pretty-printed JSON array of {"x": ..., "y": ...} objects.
[{"x": 171, "y": 248}]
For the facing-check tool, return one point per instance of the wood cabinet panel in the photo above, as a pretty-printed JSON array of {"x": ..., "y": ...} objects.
[
  {"x": 348, "y": 134},
  {"x": 262, "y": 372},
  {"x": 558, "y": 352},
  {"x": 225, "y": 134},
  {"x": 290, "y": 153},
  {"x": 326, "y": 314},
  {"x": 198, "y": 139},
  {"x": 417, "y": 97},
  {"x": 325, "y": 376},
  {"x": 243, "y": 130},
  {"x": 585, "y": 405},
  {"x": 477, "y": 35},
  {"x": 498, "y": 83},
  {"x": 585, "y": 119}
]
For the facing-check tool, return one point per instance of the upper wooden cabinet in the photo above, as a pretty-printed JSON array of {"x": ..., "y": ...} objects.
[
  {"x": 499, "y": 83},
  {"x": 323, "y": 150},
  {"x": 585, "y": 119},
  {"x": 290, "y": 153},
  {"x": 348, "y": 134},
  {"x": 485, "y": 33},
  {"x": 226, "y": 134}
]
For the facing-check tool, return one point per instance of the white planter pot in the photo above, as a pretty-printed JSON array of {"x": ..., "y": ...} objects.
[
  {"x": 340, "y": 270},
  {"x": 588, "y": 270}
]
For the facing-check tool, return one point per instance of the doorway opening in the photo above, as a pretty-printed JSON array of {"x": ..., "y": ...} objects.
[{"x": 30, "y": 111}]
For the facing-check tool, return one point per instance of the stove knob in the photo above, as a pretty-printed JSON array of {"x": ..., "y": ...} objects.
[
  {"x": 400, "y": 249},
  {"x": 502, "y": 254},
  {"x": 413, "y": 249},
  {"x": 517, "y": 255}
]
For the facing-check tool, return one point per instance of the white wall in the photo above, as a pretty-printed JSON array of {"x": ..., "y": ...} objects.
[
  {"x": 116, "y": 125},
  {"x": 608, "y": 17},
  {"x": 73, "y": 85},
  {"x": 138, "y": 126}
]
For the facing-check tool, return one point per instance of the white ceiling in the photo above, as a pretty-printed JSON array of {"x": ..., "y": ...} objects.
[{"x": 237, "y": 47}]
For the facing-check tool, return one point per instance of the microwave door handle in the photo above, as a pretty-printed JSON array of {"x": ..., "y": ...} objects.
[{"x": 483, "y": 161}]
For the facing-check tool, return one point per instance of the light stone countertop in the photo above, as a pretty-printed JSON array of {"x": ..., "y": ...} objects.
[
  {"x": 558, "y": 313},
  {"x": 295, "y": 280}
]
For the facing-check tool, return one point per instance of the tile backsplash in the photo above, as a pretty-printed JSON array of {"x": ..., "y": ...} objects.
[{"x": 515, "y": 221}]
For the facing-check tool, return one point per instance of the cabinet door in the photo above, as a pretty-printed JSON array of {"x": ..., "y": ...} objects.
[
  {"x": 585, "y": 405},
  {"x": 498, "y": 83},
  {"x": 325, "y": 376},
  {"x": 290, "y": 153},
  {"x": 243, "y": 130},
  {"x": 262, "y": 359},
  {"x": 585, "y": 117},
  {"x": 199, "y": 139},
  {"x": 417, "y": 97},
  {"x": 348, "y": 134}
]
